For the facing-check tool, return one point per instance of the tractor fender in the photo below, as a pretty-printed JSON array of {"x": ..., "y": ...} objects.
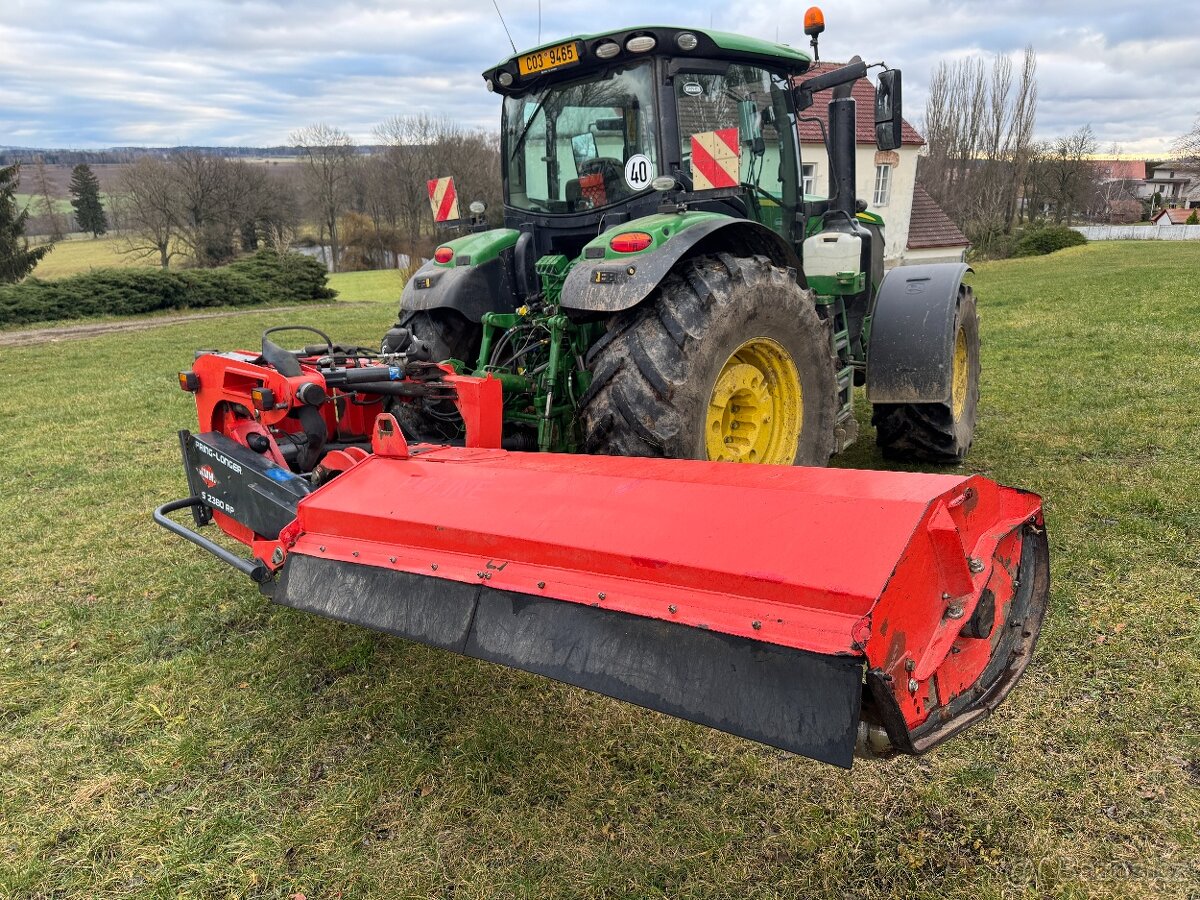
[
  {"x": 479, "y": 279},
  {"x": 910, "y": 356},
  {"x": 612, "y": 285}
]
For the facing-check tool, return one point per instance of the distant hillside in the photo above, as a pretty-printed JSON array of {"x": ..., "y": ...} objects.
[
  {"x": 111, "y": 155},
  {"x": 117, "y": 155}
]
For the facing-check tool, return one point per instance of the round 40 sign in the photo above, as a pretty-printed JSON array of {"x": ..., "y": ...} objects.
[{"x": 638, "y": 171}]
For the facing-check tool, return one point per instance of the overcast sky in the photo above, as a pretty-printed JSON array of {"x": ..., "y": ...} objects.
[{"x": 93, "y": 73}]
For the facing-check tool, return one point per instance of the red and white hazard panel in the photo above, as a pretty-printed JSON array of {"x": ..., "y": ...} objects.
[
  {"x": 715, "y": 159},
  {"x": 443, "y": 199}
]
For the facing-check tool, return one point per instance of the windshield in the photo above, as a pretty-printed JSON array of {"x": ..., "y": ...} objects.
[{"x": 580, "y": 146}]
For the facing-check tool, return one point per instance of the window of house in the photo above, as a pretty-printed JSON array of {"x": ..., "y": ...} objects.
[
  {"x": 808, "y": 178},
  {"x": 883, "y": 185}
]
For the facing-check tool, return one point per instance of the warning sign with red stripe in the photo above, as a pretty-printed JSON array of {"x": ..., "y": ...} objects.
[
  {"x": 443, "y": 199},
  {"x": 715, "y": 159}
]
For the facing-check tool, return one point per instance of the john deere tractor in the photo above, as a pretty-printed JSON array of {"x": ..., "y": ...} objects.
[{"x": 663, "y": 285}]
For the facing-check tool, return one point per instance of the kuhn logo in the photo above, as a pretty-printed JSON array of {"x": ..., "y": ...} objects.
[{"x": 207, "y": 475}]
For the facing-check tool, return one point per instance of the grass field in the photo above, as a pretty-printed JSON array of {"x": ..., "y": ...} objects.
[
  {"x": 166, "y": 732},
  {"x": 383, "y": 286},
  {"x": 80, "y": 254}
]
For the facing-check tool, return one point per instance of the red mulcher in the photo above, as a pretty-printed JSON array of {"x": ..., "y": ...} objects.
[{"x": 877, "y": 612}]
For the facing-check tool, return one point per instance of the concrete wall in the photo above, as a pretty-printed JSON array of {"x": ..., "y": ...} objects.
[
  {"x": 1140, "y": 232},
  {"x": 933, "y": 255}
]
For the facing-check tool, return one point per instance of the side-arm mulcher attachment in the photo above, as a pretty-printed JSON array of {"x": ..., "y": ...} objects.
[{"x": 822, "y": 611}]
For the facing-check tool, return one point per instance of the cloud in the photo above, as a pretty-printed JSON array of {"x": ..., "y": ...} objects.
[{"x": 220, "y": 72}]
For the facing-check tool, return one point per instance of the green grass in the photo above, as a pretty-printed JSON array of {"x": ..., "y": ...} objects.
[
  {"x": 34, "y": 204},
  {"x": 383, "y": 286},
  {"x": 80, "y": 254},
  {"x": 166, "y": 732}
]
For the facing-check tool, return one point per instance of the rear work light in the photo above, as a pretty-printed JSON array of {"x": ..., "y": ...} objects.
[
  {"x": 443, "y": 254},
  {"x": 643, "y": 43},
  {"x": 263, "y": 398},
  {"x": 631, "y": 242}
]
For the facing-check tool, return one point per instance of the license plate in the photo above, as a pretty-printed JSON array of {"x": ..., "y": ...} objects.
[{"x": 551, "y": 58}]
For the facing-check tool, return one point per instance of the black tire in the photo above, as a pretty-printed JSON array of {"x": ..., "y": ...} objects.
[
  {"x": 450, "y": 335},
  {"x": 447, "y": 331},
  {"x": 655, "y": 370},
  {"x": 933, "y": 432}
]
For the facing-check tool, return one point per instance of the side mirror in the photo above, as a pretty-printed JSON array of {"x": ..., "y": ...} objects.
[
  {"x": 751, "y": 127},
  {"x": 887, "y": 110},
  {"x": 583, "y": 146}
]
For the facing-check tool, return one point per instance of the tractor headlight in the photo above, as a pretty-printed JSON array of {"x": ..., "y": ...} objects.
[
  {"x": 643, "y": 43},
  {"x": 505, "y": 79},
  {"x": 477, "y": 207},
  {"x": 490, "y": 85},
  {"x": 608, "y": 50},
  {"x": 685, "y": 40}
]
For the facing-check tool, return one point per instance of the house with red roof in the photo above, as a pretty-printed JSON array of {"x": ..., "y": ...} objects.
[
  {"x": 915, "y": 227},
  {"x": 1175, "y": 216},
  {"x": 1132, "y": 170}
]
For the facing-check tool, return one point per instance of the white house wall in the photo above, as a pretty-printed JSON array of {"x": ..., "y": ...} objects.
[{"x": 898, "y": 210}]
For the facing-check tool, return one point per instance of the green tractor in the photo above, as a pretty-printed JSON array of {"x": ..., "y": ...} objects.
[{"x": 664, "y": 287}]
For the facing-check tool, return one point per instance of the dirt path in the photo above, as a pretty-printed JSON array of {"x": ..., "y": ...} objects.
[{"x": 73, "y": 332}]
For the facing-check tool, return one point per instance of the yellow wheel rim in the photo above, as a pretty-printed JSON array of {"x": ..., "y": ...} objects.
[
  {"x": 962, "y": 374},
  {"x": 756, "y": 410}
]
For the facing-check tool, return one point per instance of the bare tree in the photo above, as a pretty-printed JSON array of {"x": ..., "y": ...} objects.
[
  {"x": 208, "y": 204},
  {"x": 150, "y": 208},
  {"x": 1071, "y": 175},
  {"x": 421, "y": 148},
  {"x": 45, "y": 201},
  {"x": 1187, "y": 147},
  {"x": 979, "y": 128},
  {"x": 328, "y": 155}
]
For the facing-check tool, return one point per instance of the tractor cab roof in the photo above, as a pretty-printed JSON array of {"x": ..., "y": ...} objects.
[{"x": 574, "y": 57}]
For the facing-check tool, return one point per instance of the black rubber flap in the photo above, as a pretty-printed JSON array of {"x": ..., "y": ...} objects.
[{"x": 803, "y": 702}]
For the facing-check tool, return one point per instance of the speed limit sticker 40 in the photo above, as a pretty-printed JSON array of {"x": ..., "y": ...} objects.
[{"x": 638, "y": 171}]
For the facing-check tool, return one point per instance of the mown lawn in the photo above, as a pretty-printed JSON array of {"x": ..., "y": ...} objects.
[
  {"x": 79, "y": 254},
  {"x": 383, "y": 285},
  {"x": 166, "y": 732}
]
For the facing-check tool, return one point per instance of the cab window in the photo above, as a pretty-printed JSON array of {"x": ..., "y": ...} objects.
[
  {"x": 582, "y": 145},
  {"x": 737, "y": 127}
]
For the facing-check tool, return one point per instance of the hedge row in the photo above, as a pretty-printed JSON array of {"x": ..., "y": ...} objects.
[
  {"x": 265, "y": 278},
  {"x": 1040, "y": 241}
]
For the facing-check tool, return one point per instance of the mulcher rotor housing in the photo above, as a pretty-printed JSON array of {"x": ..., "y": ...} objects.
[{"x": 880, "y": 613}]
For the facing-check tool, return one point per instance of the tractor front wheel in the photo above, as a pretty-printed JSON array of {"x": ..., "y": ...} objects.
[
  {"x": 448, "y": 333},
  {"x": 938, "y": 432},
  {"x": 727, "y": 361}
]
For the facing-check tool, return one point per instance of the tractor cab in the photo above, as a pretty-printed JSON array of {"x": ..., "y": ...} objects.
[{"x": 596, "y": 128}]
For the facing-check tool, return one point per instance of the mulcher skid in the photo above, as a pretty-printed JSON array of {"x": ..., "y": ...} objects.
[{"x": 822, "y": 611}]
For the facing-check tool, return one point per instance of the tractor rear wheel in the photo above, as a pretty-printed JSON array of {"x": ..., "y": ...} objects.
[
  {"x": 728, "y": 360},
  {"x": 938, "y": 432}
]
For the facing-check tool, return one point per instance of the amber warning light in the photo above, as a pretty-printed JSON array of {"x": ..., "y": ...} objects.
[{"x": 814, "y": 24}]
